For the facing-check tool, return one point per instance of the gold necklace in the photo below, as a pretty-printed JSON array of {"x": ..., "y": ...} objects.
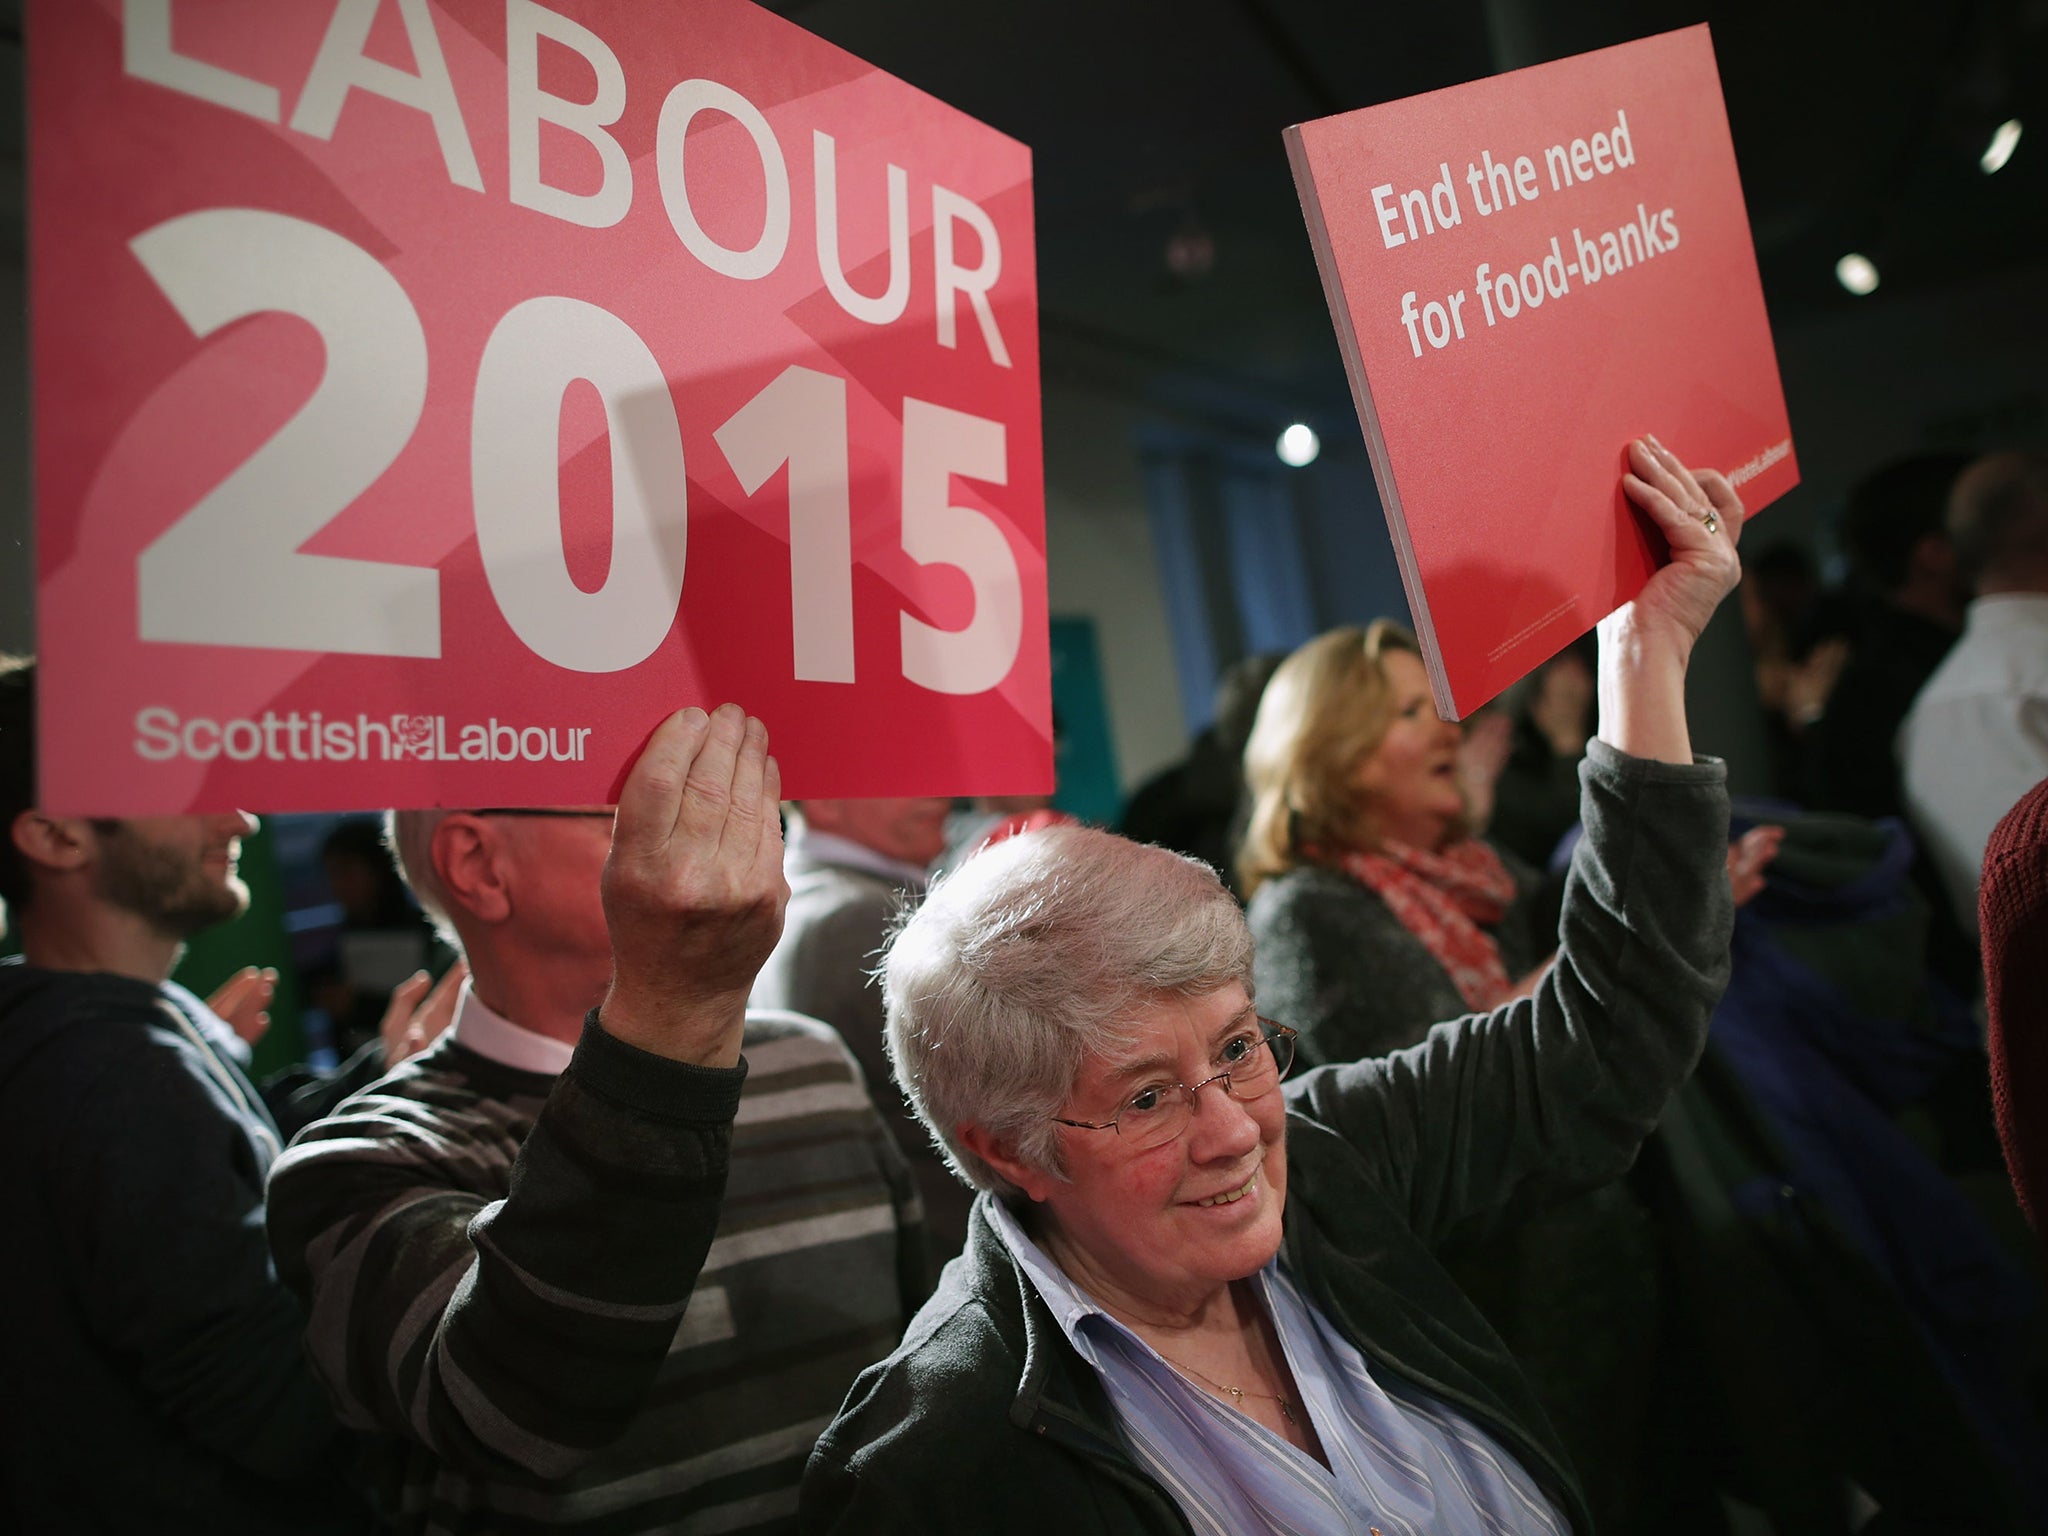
[{"x": 1237, "y": 1394}]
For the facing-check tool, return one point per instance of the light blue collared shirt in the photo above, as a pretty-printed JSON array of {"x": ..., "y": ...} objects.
[{"x": 1401, "y": 1463}]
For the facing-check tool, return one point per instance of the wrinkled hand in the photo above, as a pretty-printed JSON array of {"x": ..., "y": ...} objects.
[
  {"x": 1748, "y": 856},
  {"x": 693, "y": 890},
  {"x": 419, "y": 1011},
  {"x": 243, "y": 1002},
  {"x": 1678, "y": 600}
]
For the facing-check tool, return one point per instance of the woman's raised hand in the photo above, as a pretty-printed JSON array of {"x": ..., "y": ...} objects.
[
  {"x": 1700, "y": 516},
  {"x": 1645, "y": 644},
  {"x": 419, "y": 1011}
]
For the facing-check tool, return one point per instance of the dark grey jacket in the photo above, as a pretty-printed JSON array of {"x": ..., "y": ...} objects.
[
  {"x": 985, "y": 1420},
  {"x": 1336, "y": 963}
]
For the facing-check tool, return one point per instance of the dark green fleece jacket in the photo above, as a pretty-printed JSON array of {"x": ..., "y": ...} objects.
[{"x": 985, "y": 1420}]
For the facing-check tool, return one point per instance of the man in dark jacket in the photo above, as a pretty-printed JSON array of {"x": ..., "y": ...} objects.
[{"x": 152, "y": 1377}]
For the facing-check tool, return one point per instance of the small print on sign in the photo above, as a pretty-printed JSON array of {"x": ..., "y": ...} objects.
[{"x": 484, "y": 379}]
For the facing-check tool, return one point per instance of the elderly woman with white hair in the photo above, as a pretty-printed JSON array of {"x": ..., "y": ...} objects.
[{"x": 1197, "y": 1299}]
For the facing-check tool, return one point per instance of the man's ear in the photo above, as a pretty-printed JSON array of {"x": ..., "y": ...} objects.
[
  {"x": 1030, "y": 1178},
  {"x": 59, "y": 844},
  {"x": 469, "y": 862}
]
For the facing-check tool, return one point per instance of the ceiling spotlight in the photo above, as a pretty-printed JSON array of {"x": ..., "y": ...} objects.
[
  {"x": 1298, "y": 446},
  {"x": 2003, "y": 143},
  {"x": 1191, "y": 252},
  {"x": 1857, "y": 273}
]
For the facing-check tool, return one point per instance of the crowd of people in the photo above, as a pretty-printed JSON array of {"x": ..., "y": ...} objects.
[{"x": 1492, "y": 1130}]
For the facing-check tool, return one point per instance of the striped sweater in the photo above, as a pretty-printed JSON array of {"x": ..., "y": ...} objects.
[{"x": 623, "y": 1300}]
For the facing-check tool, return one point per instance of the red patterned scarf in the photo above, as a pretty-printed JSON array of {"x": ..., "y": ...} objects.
[{"x": 1443, "y": 898}]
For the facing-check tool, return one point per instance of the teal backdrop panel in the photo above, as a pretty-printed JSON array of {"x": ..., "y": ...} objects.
[{"x": 1084, "y": 753}]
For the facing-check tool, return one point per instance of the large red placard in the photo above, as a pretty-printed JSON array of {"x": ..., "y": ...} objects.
[
  {"x": 433, "y": 394},
  {"x": 1527, "y": 272}
]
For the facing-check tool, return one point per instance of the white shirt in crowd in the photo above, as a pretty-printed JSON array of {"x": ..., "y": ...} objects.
[{"x": 1976, "y": 738}]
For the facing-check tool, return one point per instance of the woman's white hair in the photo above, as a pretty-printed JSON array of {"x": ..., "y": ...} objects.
[{"x": 1030, "y": 958}]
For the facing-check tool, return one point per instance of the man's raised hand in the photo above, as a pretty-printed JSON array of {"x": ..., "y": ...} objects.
[{"x": 693, "y": 890}]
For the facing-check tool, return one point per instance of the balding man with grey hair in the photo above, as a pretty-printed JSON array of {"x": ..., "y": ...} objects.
[
  {"x": 1977, "y": 737},
  {"x": 499, "y": 1241}
]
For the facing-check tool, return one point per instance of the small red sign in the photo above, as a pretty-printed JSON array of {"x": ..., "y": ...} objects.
[{"x": 1526, "y": 273}]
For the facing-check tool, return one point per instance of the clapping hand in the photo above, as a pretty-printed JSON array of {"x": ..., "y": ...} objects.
[
  {"x": 1748, "y": 856},
  {"x": 243, "y": 1002},
  {"x": 1564, "y": 694},
  {"x": 419, "y": 1010},
  {"x": 693, "y": 890},
  {"x": 1483, "y": 752}
]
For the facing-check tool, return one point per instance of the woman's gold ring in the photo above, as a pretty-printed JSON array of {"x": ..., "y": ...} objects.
[{"x": 1713, "y": 523}]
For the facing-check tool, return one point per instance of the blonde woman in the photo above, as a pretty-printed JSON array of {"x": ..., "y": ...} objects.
[{"x": 1377, "y": 910}]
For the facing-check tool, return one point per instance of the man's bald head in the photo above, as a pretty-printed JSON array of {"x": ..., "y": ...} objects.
[
  {"x": 1998, "y": 521},
  {"x": 521, "y": 891},
  {"x": 909, "y": 830}
]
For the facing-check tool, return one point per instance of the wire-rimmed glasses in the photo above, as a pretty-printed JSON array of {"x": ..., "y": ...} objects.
[{"x": 1254, "y": 1062}]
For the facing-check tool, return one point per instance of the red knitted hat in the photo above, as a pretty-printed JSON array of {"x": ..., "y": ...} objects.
[{"x": 2012, "y": 910}]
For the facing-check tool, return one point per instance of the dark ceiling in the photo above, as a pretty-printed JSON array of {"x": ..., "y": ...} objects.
[
  {"x": 1156, "y": 131},
  {"x": 1173, "y": 264}
]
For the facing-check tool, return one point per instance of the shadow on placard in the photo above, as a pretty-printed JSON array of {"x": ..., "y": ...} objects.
[{"x": 1483, "y": 603}]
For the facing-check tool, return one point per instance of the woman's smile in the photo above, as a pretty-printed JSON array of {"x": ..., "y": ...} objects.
[{"x": 1229, "y": 1196}]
